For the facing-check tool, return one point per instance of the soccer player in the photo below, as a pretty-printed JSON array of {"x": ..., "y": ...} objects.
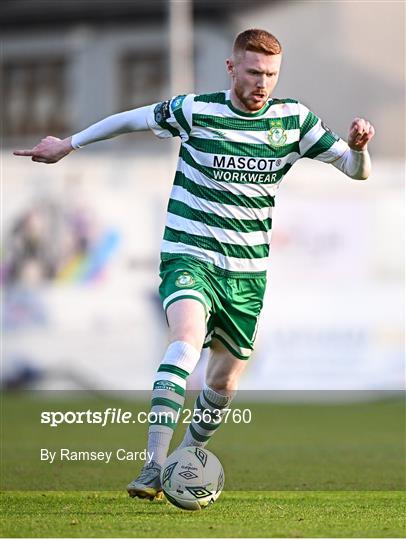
[{"x": 236, "y": 147}]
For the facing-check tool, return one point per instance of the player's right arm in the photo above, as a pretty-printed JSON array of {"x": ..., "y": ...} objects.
[
  {"x": 52, "y": 149},
  {"x": 170, "y": 118}
]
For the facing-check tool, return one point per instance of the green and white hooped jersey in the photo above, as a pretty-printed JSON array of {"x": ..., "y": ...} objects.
[{"x": 230, "y": 166}]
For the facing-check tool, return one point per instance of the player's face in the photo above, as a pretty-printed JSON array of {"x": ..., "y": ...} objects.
[{"x": 253, "y": 78}]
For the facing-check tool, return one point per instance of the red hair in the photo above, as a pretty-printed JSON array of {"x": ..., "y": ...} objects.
[{"x": 256, "y": 40}]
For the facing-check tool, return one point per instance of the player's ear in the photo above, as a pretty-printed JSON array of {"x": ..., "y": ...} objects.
[{"x": 230, "y": 66}]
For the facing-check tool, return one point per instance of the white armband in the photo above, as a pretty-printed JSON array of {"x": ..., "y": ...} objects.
[
  {"x": 356, "y": 165},
  {"x": 125, "y": 122}
]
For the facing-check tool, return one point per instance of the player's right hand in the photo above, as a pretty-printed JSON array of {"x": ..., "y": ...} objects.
[{"x": 48, "y": 150}]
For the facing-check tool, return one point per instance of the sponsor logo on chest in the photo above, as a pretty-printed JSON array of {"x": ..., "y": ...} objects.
[{"x": 245, "y": 169}]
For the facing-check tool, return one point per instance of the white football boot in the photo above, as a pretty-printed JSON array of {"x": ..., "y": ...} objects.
[{"x": 147, "y": 485}]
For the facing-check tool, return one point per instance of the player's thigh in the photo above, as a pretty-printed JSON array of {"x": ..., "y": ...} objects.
[
  {"x": 223, "y": 369},
  {"x": 185, "y": 299},
  {"x": 187, "y": 322}
]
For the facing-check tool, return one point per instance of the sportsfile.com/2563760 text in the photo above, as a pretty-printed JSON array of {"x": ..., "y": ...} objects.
[{"x": 112, "y": 415}]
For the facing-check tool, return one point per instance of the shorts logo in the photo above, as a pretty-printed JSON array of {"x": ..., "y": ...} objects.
[
  {"x": 185, "y": 280},
  {"x": 277, "y": 135}
]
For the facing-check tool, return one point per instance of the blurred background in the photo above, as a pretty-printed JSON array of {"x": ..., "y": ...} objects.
[{"x": 80, "y": 239}]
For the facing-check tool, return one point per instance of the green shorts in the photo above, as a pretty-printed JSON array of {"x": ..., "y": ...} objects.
[{"x": 232, "y": 305}]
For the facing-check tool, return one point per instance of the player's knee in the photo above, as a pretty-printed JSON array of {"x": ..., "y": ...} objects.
[{"x": 188, "y": 336}]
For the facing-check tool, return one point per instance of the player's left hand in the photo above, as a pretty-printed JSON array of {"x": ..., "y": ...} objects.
[{"x": 361, "y": 132}]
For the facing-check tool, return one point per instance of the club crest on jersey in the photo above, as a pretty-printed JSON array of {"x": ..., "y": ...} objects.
[
  {"x": 277, "y": 135},
  {"x": 184, "y": 280}
]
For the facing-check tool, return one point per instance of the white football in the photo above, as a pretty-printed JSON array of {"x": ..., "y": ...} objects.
[{"x": 192, "y": 478}]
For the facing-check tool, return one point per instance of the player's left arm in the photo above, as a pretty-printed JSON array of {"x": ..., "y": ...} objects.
[{"x": 356, "y": 162}]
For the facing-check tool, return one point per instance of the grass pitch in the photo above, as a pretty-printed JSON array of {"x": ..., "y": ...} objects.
[
  {"x": 235, "y": 514},
  {"x": 296, "y": 470}
]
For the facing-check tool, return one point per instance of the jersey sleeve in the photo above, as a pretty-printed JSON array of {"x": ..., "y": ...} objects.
[
  {"x": 172, "y": 118},
  {"x": 317, "y": 141}
]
